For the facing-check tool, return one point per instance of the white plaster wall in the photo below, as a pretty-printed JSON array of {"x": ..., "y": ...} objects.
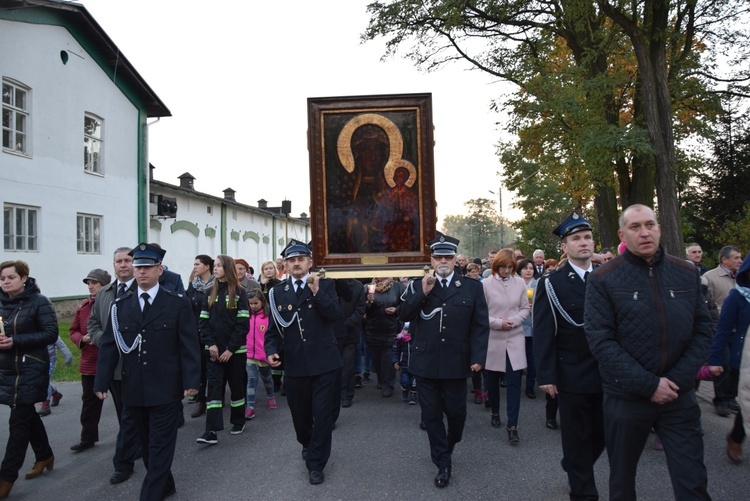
[{"x": 53, "y": 178}]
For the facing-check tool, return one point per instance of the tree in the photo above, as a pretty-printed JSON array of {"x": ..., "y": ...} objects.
[
  {"x": 479, "y": 230},
  {"x": 506, "y": 37}
]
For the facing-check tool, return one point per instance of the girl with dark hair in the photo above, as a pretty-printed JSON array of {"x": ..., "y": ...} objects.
[
  {"x": 201, "y": 282},
  {"x": 257, "y": 364},
  {"x": 224, "y": 323}
]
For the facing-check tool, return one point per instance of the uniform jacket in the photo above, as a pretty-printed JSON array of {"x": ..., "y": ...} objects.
[
  {"x": 308, "y": 342},
  {"x": 30, "y": 320},
  {"x": 561, "y": 351},
  {"x": 99, "y": 317},
  {"x": 78, "y": 329},
  {"x": 645, "y": 321},
  {"x": 454, "y": 335},
  {"x": 223, "y": 326},
  {"x": 511, "y": 302},
  {"x": 168, "y": 361},
  {"x": 734, "y": 321}
]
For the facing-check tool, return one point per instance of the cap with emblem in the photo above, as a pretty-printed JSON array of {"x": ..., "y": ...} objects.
[
  {"x": 296, "y": 248},
  {"x": 147, "y": 254},
  {"x": 572, "y": 224},
  {"x": 443, "y": 245},
  {"x": 98, "y": 275}
]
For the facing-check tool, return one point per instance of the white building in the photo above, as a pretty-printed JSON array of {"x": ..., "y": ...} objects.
[
  {"x": 73, "y": 164},
  {"x": 206, "y": 224}
]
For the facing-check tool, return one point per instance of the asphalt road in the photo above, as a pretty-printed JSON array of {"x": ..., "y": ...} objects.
[{"x": 379, "y": 452}]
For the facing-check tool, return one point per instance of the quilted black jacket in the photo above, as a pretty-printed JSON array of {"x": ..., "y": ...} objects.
[
  {"x": 24, "y": 369},
  {"x": 646, "y": 321}
]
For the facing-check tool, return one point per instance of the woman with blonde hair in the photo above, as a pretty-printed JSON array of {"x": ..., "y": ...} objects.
[{"x": 508, "y": 305}]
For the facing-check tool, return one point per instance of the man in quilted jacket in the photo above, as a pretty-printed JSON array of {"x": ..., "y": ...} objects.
[{"x": 648, "y": 327}]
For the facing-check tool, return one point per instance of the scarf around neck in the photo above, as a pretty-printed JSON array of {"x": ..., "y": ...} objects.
[{"x": 202, "y": 286}]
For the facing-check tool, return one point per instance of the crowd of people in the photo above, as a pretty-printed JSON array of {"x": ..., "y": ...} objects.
[{"x": 618, "y": 346}]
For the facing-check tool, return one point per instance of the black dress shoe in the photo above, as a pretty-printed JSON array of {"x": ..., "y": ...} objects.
[
  {"x": 119, "y": 477},
  {"x": 443, "y": 477},
  {"x": 81, "y": 446},
  {"x": 495, "y": 421},
  {"x": 530, "y": 393},
  {"x": 304, "y": 453},
  {"x": 551, "y": 424},
  {"x": 422, "y": 426},
  {"x": 513, "y": 436},
  {"x": 346, "y": 403},
  {"x": 316, "y": 477}
]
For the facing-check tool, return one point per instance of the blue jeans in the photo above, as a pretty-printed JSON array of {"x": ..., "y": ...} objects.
[
  {"x": 362, "y": 349},
  {"x": 255, "y": 372}
]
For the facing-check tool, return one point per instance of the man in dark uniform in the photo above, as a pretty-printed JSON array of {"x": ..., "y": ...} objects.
[
  {"x": 451, "y": 330},
  {"x": 304, "y": 309},
  {"x": 154, "y": 330},
  {"x": 566, "y": 369}
]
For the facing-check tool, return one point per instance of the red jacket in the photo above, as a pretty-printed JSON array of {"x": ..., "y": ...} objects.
[{"x": 78, "y": 329}]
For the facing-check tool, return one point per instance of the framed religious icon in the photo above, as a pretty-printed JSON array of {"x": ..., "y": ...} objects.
[{"x": 372, "y": 186}]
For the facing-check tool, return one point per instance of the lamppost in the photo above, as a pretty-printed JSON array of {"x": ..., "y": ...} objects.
[{"x": 500, "y": 214}]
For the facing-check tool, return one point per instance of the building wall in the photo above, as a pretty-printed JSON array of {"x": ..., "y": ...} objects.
[
  {"x": 52, "y": 177},
  {"x": 247, "y": 232}
]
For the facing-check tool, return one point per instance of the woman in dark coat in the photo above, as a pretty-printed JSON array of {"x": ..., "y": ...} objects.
[
  {"x": 29, "y": 324},
  {"x": 381, "y": 326},
  {"x": 201, "y": 283}
]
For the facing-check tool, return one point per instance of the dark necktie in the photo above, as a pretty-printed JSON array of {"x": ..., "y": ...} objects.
[
  {"x": 586, "y": 276},
  {"x": 299, "y": 287},
  {"x": 120, "y": 290},
  {"x": 146, "y": 303},
  {"x": 445, "y": 283}
]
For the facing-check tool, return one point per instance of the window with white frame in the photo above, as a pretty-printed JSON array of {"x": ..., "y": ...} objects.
[
  {"x": 15, "y": 117},
  {"x": 92, "y": 144},
  {"x": 89, "y": 234},
  {"x": 20, "y": 228}
]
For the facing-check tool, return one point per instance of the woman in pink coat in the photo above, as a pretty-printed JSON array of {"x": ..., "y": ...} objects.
[{"x": 506, "y": 352}]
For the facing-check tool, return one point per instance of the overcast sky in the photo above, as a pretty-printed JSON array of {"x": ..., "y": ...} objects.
[{"x": 236, "y": 76}]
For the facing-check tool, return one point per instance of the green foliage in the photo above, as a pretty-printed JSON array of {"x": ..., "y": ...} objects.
[{"x": 479, "y": 230}]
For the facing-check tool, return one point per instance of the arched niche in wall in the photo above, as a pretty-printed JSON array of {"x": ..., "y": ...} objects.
[{"x": 185, "y": 225}]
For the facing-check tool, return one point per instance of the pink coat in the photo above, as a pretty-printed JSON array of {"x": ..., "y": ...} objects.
[
  {"x": 256, "y": 336},
  {"x": 510, "y": 301}
]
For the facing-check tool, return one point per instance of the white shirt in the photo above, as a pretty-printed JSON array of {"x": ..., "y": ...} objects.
[
  {"x": 151, "y": 293},
  {"x": 581, "y": 272}
]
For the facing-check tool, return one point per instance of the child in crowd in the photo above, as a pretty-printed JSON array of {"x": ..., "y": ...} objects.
[
  {"x": 54, "y": 396},
  {"x": 401, "y": 350},
  {"x": 257, "y": 363}
]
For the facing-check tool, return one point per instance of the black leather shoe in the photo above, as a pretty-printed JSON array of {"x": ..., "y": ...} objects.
[
  {"x": 387, "y": 392},
  {"x": 304, "y": 453},
  {"x": 119, "y": 477},
  {"x": 551, "y": 424},
  {"x": 495, "y": 421},
  {"x": 422, "y": 426},
  {"x": 346, "y": 403},
  {"x": 317, "y": 477},
  {"x": 530, "y": 393},
  {"x": 81, "y": 446},
  {"x": 513, "y": 436},
  {"x": 443, "y": 477}
]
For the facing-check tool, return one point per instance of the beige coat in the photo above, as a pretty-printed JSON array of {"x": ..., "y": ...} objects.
[
  {"x": 743, "y": 391},
  {"x": 506, "y": 301}
]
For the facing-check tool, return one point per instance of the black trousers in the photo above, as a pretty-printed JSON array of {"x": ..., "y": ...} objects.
[
  {"x": 233, "y": 372},
  {"x": 25, "y": 427},
  {"x": 438, "y": 397},
  {"x": 91, "y": 410},
  {"x": 126, "y": 447},
  {"x": 627, "y": 425},
  {"x": 311, "y": 401},
  {"x": 382, "y": 356},
  {"x": 348, "y": 354},
  {"x": 725, "y": 385},
  {"x": 582, "y": 433},
  {"x": 157, "y": 431}
]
